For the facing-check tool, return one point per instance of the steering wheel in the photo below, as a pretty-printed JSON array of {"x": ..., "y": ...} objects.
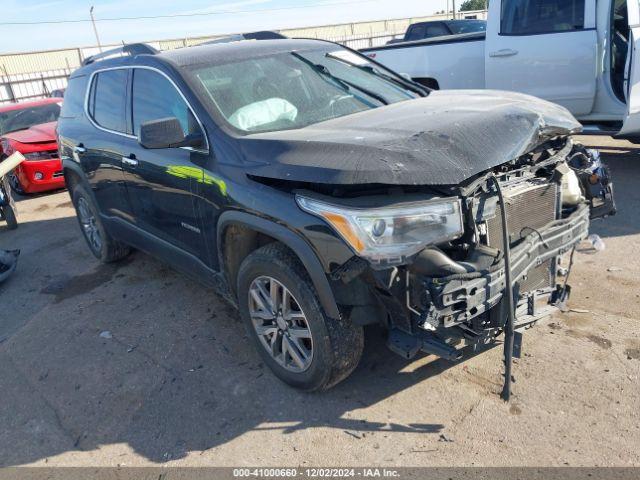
[{"x": 264, "y": 89}]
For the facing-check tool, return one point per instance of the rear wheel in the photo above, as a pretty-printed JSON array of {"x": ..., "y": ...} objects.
[
  {"x": 10, "y": 217},
  {"x": 296, "y": 339},
  {"x": 101, "y": 244}
]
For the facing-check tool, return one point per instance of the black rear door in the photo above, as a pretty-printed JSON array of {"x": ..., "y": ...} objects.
[{"x": 103, "y": 144}]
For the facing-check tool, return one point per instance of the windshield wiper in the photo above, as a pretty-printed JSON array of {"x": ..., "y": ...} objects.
[
  {"x": 346, "y": 84},
  {"x": 407, "y": 85},
  {"x": 15, "y": 130}
]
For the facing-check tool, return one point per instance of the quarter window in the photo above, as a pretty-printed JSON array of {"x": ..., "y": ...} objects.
[
  {"x": 155, "y": 97},
  {"x": 73, "y": 105},
  {"x": 522, "y": 17},
  {"x": 107, "y": 99}
]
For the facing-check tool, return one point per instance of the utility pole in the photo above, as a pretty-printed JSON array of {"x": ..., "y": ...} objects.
[
  {"x": 454, "y": 9},
  {"x": 95, "y": 30}
]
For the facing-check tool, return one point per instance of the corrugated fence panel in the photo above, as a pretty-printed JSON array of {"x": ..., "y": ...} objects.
[{"x": 39, "y": 61}]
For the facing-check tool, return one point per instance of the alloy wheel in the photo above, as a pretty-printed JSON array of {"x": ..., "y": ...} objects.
[
  {"x": 15, "y": 183},
  {"x": 89, "y": 225},
  {"x": 280, "y": 324}
]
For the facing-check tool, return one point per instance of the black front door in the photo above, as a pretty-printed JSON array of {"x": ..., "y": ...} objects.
[{"x": 160, "y": 182}]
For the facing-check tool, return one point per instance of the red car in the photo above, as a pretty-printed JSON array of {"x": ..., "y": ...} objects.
[{"x": 29, "y": 128}]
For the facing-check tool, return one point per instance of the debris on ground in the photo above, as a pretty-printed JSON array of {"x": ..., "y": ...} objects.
[
  {"x": 106, "y": 334},
  {"x": 596, "y": 242},
  {"x": 8, "y": 263}
]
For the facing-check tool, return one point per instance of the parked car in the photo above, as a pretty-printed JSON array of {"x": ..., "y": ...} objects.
[
  {"x": 576, "y": 53},
  {"x": 440, "y": 28},
  {"x": 29, "y": 128},
  {"x": 321, "y": 192}
]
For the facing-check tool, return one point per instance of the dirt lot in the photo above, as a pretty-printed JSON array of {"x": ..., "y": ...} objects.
[{"x": 178, "y": 383}]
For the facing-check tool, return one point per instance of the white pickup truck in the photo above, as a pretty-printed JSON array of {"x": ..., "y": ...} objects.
[{"x": 581, "y": 54}]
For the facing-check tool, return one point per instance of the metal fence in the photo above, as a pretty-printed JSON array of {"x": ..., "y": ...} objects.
[
  {"x": 26, "y": 76},
  {"x": 29, "y": 86},
  {"x": 366, "y": 41}
]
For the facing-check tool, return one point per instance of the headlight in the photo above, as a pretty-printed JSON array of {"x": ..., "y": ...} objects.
[
  {"x": 391, "y": 234},
  {"x": 37, "y": 156}
]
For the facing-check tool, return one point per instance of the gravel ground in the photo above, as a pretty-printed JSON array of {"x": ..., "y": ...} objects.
[{"x": 176, "y": 381}]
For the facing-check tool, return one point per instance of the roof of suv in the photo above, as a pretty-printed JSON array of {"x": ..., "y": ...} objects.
[
  {"x": 222, "y": 52},
  {"x": 236, "y": 50}
]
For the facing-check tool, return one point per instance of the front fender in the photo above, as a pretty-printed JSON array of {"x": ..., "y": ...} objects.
[{"x": 292, "y": 240}]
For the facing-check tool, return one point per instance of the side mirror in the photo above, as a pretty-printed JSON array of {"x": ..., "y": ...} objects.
[{"x": 166, "y": 133}]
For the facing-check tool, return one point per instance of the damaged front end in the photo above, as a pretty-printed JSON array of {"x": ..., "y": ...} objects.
[{"x": 452, "y": 293}]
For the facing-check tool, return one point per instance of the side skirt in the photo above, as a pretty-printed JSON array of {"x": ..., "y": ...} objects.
[{"x": 184, "y": 262}]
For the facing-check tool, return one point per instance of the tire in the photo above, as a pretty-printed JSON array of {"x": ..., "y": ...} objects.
[
  {"x": 15, "y": 184},
  {"x": 10, "y": 217},
  {"x": 104, "y": 247},
  {"x": 335, "y": 344}
]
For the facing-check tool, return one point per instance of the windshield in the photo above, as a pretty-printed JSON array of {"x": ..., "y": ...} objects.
[
  {"x": 28, "y": 117},
  {"x": 295, "y": 89},
  {"x": 468, "y": 26}
]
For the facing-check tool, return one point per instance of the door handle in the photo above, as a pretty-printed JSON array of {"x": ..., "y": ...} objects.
[
  {"x": 130, "y": 160},
  {"x": 505, "y": 52},
  {"x": 79, "y": 149}
]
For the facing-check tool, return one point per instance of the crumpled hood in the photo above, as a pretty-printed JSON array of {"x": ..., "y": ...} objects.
[
  {"x": 43, "y": 133},
  {"x": 442, "y": 139}
]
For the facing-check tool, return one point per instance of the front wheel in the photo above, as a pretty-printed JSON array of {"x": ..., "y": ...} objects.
[
  {"x": 10, "y": 217},
  {"x": 296, "y": 339},
  {"x": 15, "y": 184}
]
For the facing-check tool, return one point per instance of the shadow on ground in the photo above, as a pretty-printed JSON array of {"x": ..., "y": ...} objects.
[{"x": 177, "y": 374}]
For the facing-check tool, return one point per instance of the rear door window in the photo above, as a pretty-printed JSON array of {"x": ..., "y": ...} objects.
[
  {"x": 107, "y": 99},
  {"x": 526, "y": 17},
  {"x": 436, "y": 30},
  {"x": 416, "y": 32}
]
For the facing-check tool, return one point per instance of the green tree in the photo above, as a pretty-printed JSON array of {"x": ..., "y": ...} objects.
[{"x": 473, "y": 5}]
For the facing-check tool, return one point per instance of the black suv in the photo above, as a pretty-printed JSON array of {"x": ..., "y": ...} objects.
[{"x": 321, "y": 192}]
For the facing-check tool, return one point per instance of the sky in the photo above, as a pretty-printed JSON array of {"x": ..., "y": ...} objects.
[{"x": 225, "y": 16}]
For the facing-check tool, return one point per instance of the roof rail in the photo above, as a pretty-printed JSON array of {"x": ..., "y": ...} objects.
[
  {"x": 130, "y": 49},
  {"x": 262, "y": 35}
]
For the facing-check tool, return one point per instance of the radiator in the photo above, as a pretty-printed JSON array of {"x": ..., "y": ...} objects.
[{"x": 531, "y": 205}]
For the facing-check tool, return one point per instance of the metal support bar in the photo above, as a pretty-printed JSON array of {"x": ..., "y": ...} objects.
[{"x": 508, "y": 328}]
